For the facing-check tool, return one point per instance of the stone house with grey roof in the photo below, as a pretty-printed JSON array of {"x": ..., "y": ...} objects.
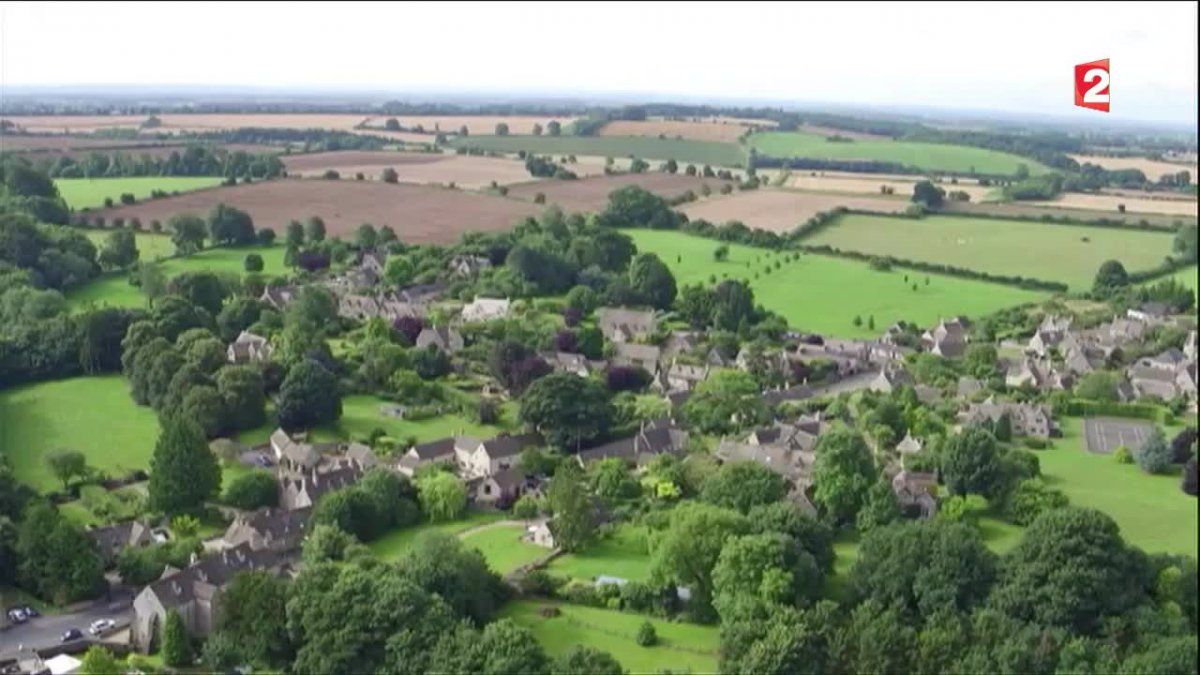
[
  {"x": 268, "y": 529},
  {"x": 444, "y": 338},
  {"x": 114, "y": 539},
  {"x": 621, "y": 324},
  {"x": 651, "y": 440}
]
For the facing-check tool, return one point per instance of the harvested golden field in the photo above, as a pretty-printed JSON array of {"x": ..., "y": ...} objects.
[
  {"x": 1108, "y": 203},
  {"x": 591, "y": 194},
  {"x": 725, "y": 132},
  {"x": 419, "y": 214},
  {"x": 466, "y": 171},
  {"x": 1027, "y": 211},
  {"x": 477, "y": 125},
  {"x": 781, "y": 210},
  {"x": 1152, "y": 168},
  {"x": 870, "y": 184}
]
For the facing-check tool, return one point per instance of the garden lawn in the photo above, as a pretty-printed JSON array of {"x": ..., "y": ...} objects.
[
  {"x": 150, "y": 246},
  {"x": 1067, "y": 253},
  {"x": 682, "y": 151},
  {"x": 502, "y": 547},
  {"x": 929, "y": 156},
  {"x": 94, "y": 415},
  {"x": 114, "y": 290},
  {"x": 624, "y": 554},
  {"x": 824, "y": 294},
  {"x": 1153, "y": 513},
  {"x": 392, "y": 545},
  {"x": 360, "y": 416},
  {"x": 89, "y": 193},
  {"x": 682, "y": 647}
]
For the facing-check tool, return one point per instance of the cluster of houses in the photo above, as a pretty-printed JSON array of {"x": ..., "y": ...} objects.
[{"x": 1058, "y": 355}]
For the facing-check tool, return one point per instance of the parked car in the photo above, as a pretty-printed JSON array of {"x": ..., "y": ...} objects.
[
  {"x": 100, "y": 625},
  {"x": 30, "y": 612},
  {"x": 17, "y": 615},
  {"x": 72, "y": 634}
]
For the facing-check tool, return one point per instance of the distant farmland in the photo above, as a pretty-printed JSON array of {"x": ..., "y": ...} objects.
[
  {"x": 81, "y": 193},
  {"x": 928, "y": 156},
  {"x": 781, "y": 210},
  {"x": 823, "y": 294},
  {"x": 1066, "y": 253},
  {"x": 684, "y": 152},
  {"x": 712, "y": 130},
  {"x": 466, "y": 171},
  {"x": 591, "y": 194},
  {"x": 418, "y": 214}
]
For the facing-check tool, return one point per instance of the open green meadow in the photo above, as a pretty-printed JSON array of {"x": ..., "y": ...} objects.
[
  {"x": 928, "y": 156},
  {"x": 823, "y": 294},
  {"x": 89, "y": 193},
  {"x": 115, "y": 290},
  {"x": 502, "y": 547},
  {"x": 1067, "y": 253},
  {"x": 392, "y": 545},
  {"x": 361, "y": 415},
  {"x": 683, "y": 151},
  {"x": 624, "y": 554},
  {"x": 1153, "y": 512},
  {"x": 93, "y": 415},
  {"x": 151, "y": 246},
  {"x": 682, "y": 647}
]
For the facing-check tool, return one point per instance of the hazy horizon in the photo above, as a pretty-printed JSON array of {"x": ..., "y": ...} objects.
[{"x": 983, "y": 58}]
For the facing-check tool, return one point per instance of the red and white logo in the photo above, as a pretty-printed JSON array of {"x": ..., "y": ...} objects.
[{"x": 1091, "y": 85}]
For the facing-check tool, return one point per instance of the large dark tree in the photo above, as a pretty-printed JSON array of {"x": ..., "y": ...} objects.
[
  {"x": 1071, "y": 569},
  {"x": 253, "y": 614},
  {"x": 230, "y": 225},
  {"x": 1111, "y": 277},
  {"x": 184, "y": 473},
  {"x": 574, "y": 522},
  {"x": 843, "y": 472},
  {"x": 652, "y": 281},
  {"x": 568, "y": 410},
  {"x": 308, "y": 397},
  {"x": 971, "y": 464},
  {"x": 59, "y": 562},
  {"x": 742, "y": 486},
  {"x": 922, "y": 568},
  {"x": 440, "y": 564}
]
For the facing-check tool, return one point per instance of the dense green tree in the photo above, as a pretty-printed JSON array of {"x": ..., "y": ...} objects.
[
  {"x": 253, "y": 612},
  {"x": 187, "y": 232},
  {"x": 652, "y": 281},
  {"x": 242, "y": 391},
  {"x": 634, "y": 206},
  {"x": 726, "y": 401},
  {"x": 971, "y": 463},
  {"x": 612, "y": 479},
  {"x": 688, "y": 550},
  {"x": 843, "y": 473},
  {"x": 581, "y": 660},
  {"x": 176, "y": 643},
  {"x": 1110, "y": 277},
  {"x": 879, "y": 640},
  {"x": 230, "y": 225},
  {"x": 1098, "y": 385},
  {"x": 810, "y": 534},
  {"x": 365, "y": 237},
  {"x": 99, "y": 661},
  {"x": 880, "y": 508},
  {"x": 183, "y": 472},
  {"x": 770, "y": 569},
  {"x": 119, "y": 251},
  {"x": 325, "y": 543},
  {"x": 928, "y": 194},
  {"x": 253, "y": 262},
  {"x": 1071, "y": 569},
  {"x": 440, "y": 564},
  {"x": 500, "y": 648},
  {"x": 314, "y": 230},
  {"x": 442, "y": 495},
  {"x": 742, "y": 486},
  {"x": 574, "y": 521},
  {"x": 1155, "y": 454},
  {"x": 394, "y": 497},
  {"x": 351, "y": 619},
  {"x": 570, "y": 411},
  {"x": 1030, "y": 499},
  {"x": 308, "y": 397},
  {"x": 921, "y": 568},
  {"x": 252, "y": 490},
  {"x": 351, "y": 510},
  {"x": 59, "y": 562},
  {"x": 67, "y": 465}
]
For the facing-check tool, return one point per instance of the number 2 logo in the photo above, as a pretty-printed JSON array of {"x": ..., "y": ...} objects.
[{"x": 1092, "y": 85}]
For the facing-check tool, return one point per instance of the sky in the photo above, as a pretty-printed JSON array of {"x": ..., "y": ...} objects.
[{"x": 1008, "y": 57}]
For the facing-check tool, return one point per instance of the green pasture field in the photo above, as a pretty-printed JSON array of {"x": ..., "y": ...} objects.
[
  {"x": 115, "y": 290},
  {"x": 89, "y": 193},
  {"x": 682, "y": 151},
  {"x": 392, "y": 545},
  {"x": 1153, "y": 513},
  {"x": 1067, "y": 253},
  {"x": 929, "y": 156},
  {"x": 502, "y": 547},
  {"x": 823, "y": 294},
  {"x": 624, "y": 554},
  {"x": 94, "y": 415},
  {"x": 682, "y": 647}
]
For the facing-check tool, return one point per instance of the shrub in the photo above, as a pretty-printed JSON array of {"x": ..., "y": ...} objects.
[
  {"x": 252, "y": 491},
  {"x": 646, "y": 635},
  {"x": 1123, "y": 456},
  {"x": 1155, "y": 454}
]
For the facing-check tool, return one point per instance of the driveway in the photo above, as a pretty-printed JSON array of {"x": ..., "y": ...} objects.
[{"x": 47, "y": 630}]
